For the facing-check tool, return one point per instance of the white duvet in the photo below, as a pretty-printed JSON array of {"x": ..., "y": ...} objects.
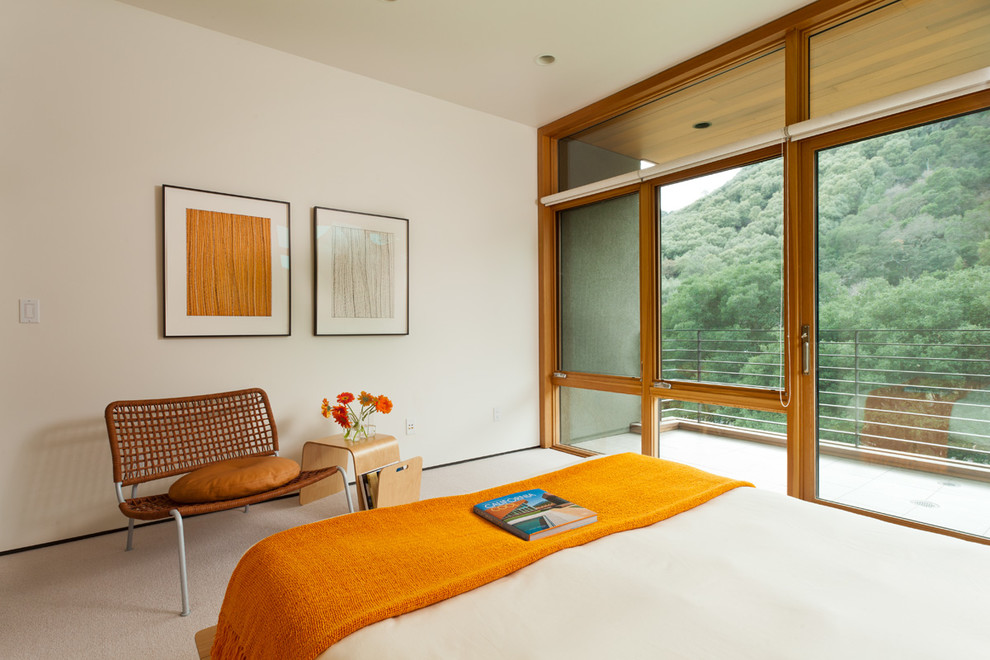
[{"x": 750, "y": 574}]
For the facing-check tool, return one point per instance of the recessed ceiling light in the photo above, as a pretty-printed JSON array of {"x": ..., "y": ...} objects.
[
  {"x": 703, "y": 124},
  {"x": 545, "y": 60}
]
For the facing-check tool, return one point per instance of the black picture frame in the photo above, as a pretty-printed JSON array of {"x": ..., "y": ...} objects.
[
  {"x": 361, "y": 273},
  {"x": 226, "y": 264}
]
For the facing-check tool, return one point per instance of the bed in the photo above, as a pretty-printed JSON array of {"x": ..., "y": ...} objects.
[{"x": 743, "y": 574}]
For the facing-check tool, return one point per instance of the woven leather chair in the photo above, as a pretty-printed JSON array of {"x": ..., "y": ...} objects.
[{"x": 155, "y": 438}]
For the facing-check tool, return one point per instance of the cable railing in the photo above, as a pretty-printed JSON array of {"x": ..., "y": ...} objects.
[
  {"x": 910, "y": 392},
  {"x": 737, "y": 357}
]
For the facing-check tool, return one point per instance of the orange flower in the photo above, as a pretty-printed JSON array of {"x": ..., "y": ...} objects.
[
  {"x": 340, "y": 416},
  {"x": 356, "y": 424}
]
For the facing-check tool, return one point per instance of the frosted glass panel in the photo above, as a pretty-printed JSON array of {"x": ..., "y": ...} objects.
[
  {"x": 599, "y": 288},
  {"x": 602, "y": 422}
]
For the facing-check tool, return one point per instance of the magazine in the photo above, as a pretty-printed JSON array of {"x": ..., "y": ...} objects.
[{"x": 534, "y": 514}]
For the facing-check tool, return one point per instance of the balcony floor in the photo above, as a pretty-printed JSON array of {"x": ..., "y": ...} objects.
[{"x": 950, "y": 502}]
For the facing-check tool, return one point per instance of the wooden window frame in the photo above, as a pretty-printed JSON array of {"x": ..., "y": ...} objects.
[{"x": 798, "y": 398}]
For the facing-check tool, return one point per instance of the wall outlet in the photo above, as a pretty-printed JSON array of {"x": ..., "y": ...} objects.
[
  {"x": 30, "y": 310},
  {"x": 496, "y": 414},
  {"x": 410, "y": 426}
]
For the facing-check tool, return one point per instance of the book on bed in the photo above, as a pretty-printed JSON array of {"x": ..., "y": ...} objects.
[{"x": 534, "y": 514}]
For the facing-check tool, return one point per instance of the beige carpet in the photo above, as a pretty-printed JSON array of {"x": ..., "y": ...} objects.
[{"x": 90, "y": 599}]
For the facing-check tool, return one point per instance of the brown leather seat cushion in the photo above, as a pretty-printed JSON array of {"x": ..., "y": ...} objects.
[{"x": 233, "y": 478}]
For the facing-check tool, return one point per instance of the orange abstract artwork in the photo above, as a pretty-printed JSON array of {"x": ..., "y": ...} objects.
[{"x": 228, "y": 264}]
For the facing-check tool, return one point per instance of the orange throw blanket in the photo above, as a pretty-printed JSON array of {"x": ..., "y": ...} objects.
[{"x": 297, "y": 592}]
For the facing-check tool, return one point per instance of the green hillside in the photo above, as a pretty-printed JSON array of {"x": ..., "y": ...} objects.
[
  {"x": 903, "y": 273},
  {"x": 904, "y": 238}
]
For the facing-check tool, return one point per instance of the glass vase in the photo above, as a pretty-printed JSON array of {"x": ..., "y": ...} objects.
[{"x": 360, "y": 431}]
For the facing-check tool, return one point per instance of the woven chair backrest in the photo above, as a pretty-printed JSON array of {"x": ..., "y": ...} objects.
[{"x": 155, "y": 438}]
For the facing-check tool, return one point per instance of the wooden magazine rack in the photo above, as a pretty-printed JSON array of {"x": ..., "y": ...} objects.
[{"x": 381, "y": 477}]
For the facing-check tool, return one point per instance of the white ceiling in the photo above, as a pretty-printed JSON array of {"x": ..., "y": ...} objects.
[{"x": 481, "y": 53}]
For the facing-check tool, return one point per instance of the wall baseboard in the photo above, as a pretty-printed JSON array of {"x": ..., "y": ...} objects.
[{"x": 283, "y": 497}]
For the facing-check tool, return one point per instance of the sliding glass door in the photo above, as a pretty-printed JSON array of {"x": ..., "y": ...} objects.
[{"x": 903, "y": 323}]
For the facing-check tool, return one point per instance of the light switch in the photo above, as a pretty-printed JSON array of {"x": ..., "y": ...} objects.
[{"x": 30, "y": 310}]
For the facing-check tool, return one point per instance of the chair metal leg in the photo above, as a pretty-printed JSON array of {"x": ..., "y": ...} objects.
[
  {"x": 246, "y": 507},
  {"x": 347, "y": 491},
  {"x": 182, "y": 563},
  {"x": 130, "y": 521}
]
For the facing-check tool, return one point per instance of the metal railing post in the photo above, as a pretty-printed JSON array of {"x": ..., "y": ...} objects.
[
  {"x": 856, "y": 385},
  {"x": 697, "y": 348}
]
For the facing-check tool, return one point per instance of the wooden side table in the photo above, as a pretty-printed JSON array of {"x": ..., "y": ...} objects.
[{"x": 369, "y": 457}]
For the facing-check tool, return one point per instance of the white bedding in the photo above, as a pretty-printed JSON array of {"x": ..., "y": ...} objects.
[{"x": 750, "y": 574}]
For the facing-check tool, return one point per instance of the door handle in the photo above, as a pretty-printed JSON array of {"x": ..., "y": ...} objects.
[{"x": 805, "y": 349}]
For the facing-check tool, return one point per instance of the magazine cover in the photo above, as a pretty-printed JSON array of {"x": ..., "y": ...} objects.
[{"x": 534, "y": 514}]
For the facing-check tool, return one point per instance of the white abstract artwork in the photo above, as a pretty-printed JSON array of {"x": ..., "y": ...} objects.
[{"x": 362, "y": 273}]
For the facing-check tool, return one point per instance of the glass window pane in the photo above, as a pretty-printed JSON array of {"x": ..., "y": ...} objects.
[
  {"x": 732, "y": 442},
  {"x": 895, "y": 48},
  {"x": 732, "y": 105},
  {"x": 602, "y": 422},
  {"x": 721, "y": 261},
  {"x": 580, "y": 163},
  {"x": 904, "y": 323},
  {"x": 599, "y": 288}
]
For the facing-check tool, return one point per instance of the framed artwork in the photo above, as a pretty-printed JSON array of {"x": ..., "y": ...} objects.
[
  {"x": 362, "y": 273},
  {"x": 226, "y": 263}
]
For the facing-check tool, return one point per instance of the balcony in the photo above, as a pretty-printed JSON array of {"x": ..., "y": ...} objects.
[{"x": 904, "y": 419}]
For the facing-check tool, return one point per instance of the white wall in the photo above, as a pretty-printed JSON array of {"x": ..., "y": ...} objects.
[{"x": 102, "y": 103}]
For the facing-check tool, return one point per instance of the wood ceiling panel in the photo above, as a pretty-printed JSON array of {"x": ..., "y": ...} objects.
[
  {"x": 898, "y": 47},
  {"x": 742, "y": 102}
]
